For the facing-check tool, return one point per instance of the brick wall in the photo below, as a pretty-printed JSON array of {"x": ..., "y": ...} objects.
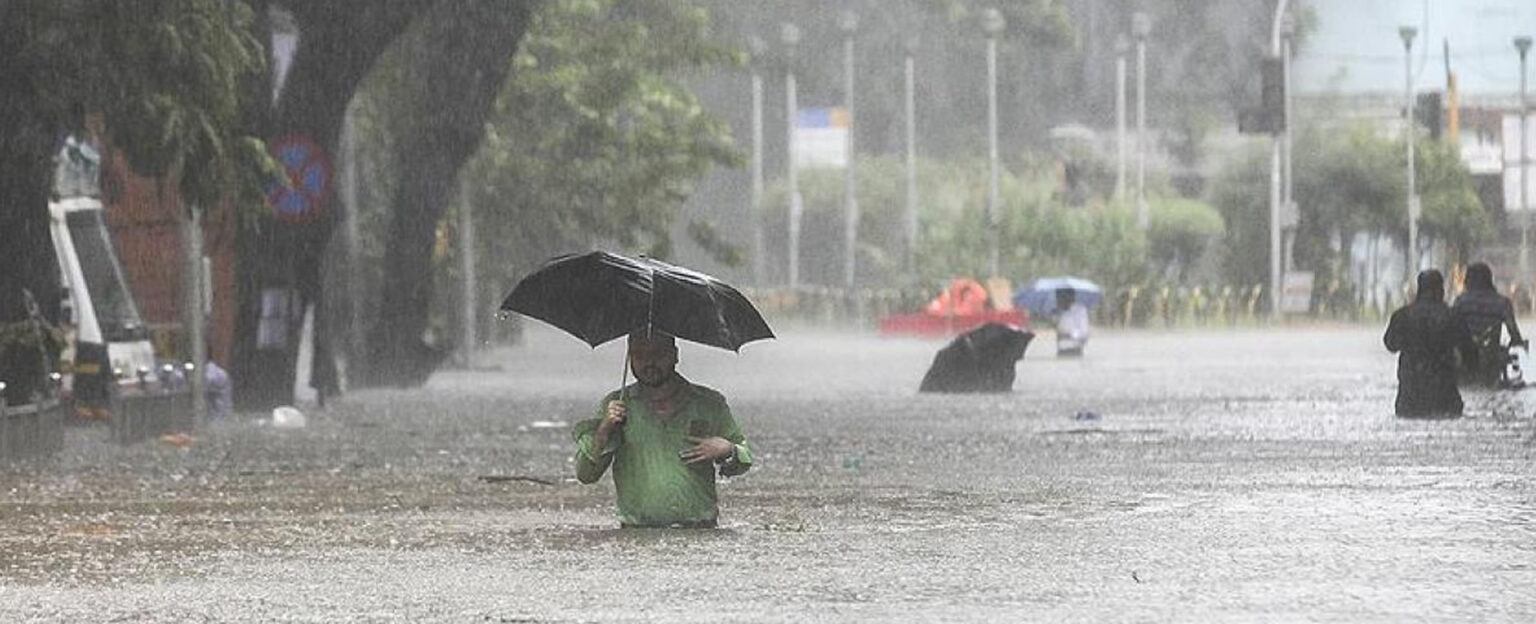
[{"x": 143, "y": 217}]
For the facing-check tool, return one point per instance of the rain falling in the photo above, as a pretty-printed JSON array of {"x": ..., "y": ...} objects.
[{"x": 776, "y": 311}]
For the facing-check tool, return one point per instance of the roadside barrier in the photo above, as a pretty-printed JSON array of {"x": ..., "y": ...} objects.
[
  {"x": 30, "y": 430},
  {"x": 1150, "y": 305}
]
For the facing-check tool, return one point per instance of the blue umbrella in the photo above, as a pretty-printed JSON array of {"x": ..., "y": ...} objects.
[{"x": 1040, "y": 296}]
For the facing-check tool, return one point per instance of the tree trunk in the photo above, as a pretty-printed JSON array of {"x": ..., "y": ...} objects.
[
  {"x": 338, "y": 44},
  {"x": 28, "y": 263},
  {"x": 470, "y": 59}
]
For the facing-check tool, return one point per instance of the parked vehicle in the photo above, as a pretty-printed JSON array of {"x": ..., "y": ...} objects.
[{"x": 108, "y": 359}]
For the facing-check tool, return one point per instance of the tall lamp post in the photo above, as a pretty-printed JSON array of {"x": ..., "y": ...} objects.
[
  {"x": 848, "y": 22},
  {"x": 757, "y": 47},
  {"x": 1288, "y": 188},
  {"x": 196, "y": 311},
  {"x": 910, "y": 261},
  {"x": 1122, "y": 47},
  {"x": 1407, "y": 33},
  {"x": 789, "y": 34},
  {"x": 1141, "y": 26},
  {"x": 1275, "y": 181},
  {"x": 992, "y": 23},
  {"x": 1522, "y": 45}
]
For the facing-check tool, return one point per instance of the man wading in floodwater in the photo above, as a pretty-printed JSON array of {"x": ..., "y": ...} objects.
[
  {"x": 664, "y": 439},
  {"x": 1426, "y": 335}
]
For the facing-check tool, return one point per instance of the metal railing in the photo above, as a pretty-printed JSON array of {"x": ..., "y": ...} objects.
[{"x": 30, "y": 430}]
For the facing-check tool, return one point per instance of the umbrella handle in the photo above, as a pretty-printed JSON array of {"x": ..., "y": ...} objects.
[{"x": 624, "y": 385}]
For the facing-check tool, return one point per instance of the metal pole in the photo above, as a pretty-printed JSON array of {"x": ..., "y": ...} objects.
[
  {"x": 1275, "y": 184},
  {"x": 1122, "y": 47},
  {"x": 992, "y": 24},
  {"x": 791, "y": 36},
  {"x": 1142, "y": 25},
  {"x": 355, "y": 278},
  {"x": 910, "y": 261},
  {"x": 1288, "y": 188},
  {"x": 467, "y": 267},
  {"x": 1523, "y": 44},
  {"x": 759, "y": 253},
  {"x": 192, "y": 241},
  {"x": 1412, "y": 259},
  {"x": 849, "y": 23}
]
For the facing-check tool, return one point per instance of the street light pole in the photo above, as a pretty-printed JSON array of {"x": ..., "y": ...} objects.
[
  {"x": 1275, "y": 182},
  {"x": 1122, "y": 47},
  {"x": 1141, "y": 26},
  {"x": 848, "y": 22},
  {"x": 992, "y": 24},
  {"x": 1407, "y": 33},
  {"x": 790, "y": 35},
  {"x": 467, "y": 274},
  {"x": 1288, "y": 189},
  {"x": 757, "y": 47},
  {"x": 1523, "y": 44},
  {"x": 195, "y": 314},
  {"x": 910, "y": 261}
]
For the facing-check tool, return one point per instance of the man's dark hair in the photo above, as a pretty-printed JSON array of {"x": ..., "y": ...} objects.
[
  {"x": 653, "y": 337},
  {"x": 1431, "y": 285},
  {"x": 1479, "y": 276}
]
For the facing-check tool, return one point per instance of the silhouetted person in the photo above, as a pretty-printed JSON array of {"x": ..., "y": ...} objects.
[
  {"x": 1485, "y": 313},
  {"x": 1425, "y": 335}
]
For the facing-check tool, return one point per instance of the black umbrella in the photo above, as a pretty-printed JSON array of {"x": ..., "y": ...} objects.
[
  {"x": 980, "y": 360},
  {"x": 600, "y": 296}
]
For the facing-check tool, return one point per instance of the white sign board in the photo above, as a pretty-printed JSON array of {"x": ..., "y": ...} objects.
[
  {"x": 821, "y": 138},
  {"x": 1296, "y": 292},
  {"x": 1512, "y": 168}
]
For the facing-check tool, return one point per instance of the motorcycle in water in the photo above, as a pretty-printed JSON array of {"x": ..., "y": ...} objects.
[
  {"x": 1512, "y": 377},
  {"x": 1491, "y": 363}
]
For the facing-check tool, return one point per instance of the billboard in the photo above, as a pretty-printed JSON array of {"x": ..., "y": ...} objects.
[
  {"x": 821, "y": 138},
  {"x": 1512, "y": 177}
]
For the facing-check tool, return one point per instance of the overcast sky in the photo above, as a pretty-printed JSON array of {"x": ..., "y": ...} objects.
[{"x": 1357, "y": 48}]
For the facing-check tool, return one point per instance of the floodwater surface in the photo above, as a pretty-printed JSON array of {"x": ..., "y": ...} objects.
[{"x": 1247, "y": 476}]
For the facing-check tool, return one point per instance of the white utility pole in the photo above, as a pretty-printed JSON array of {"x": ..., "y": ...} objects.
[
  {"x": 1409, "y": 133},
  {"x": 848, "y": 22},
  {"x": 467, "y": 267},
  {"x": 910, "y": 261},
  {"x": 1141, "y": 26},
  {"x": 1275, "y": 181},
  {"x": 790, "y": 35},
  {"x": 757, "y": 47},
  {"x": 1122, "y": 47},
  {"x": 993, "y": 24}
]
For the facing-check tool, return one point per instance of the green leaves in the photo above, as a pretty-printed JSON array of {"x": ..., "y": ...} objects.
[
  {"x": 1348, "y": 180},
  {"x": 596, "y": 138},
  {"x": 1040, "y": 233},
  {"x": 169, "y": 75}
]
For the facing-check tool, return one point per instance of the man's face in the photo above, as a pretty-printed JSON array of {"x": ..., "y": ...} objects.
[{"x": 653, "y": 363}]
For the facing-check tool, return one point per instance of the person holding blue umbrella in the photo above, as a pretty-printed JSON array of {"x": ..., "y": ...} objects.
[
  {"x": 1065, "y": 301},
  {"x": 1071, "y": 324}
]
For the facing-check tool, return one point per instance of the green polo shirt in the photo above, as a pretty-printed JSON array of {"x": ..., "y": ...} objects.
[{"x": 654, "y": 486}]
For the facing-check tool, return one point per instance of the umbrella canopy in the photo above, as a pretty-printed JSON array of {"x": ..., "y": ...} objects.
[
  {"x": 600, "y": 296},
  {"x": 1040, "y": 296},
  {"x": 980, "y": 360}
]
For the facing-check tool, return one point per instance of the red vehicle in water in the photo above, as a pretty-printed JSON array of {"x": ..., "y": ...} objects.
[{"x": 965, "y": 305}]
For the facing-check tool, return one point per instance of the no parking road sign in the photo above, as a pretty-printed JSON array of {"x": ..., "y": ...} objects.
[{"x": 309, "y": 179}]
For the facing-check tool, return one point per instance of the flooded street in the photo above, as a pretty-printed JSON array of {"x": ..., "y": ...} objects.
[{"x": 1247, "y": 476}]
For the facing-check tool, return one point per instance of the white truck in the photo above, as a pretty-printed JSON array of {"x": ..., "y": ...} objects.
[{"x": 108, "y": 366}]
